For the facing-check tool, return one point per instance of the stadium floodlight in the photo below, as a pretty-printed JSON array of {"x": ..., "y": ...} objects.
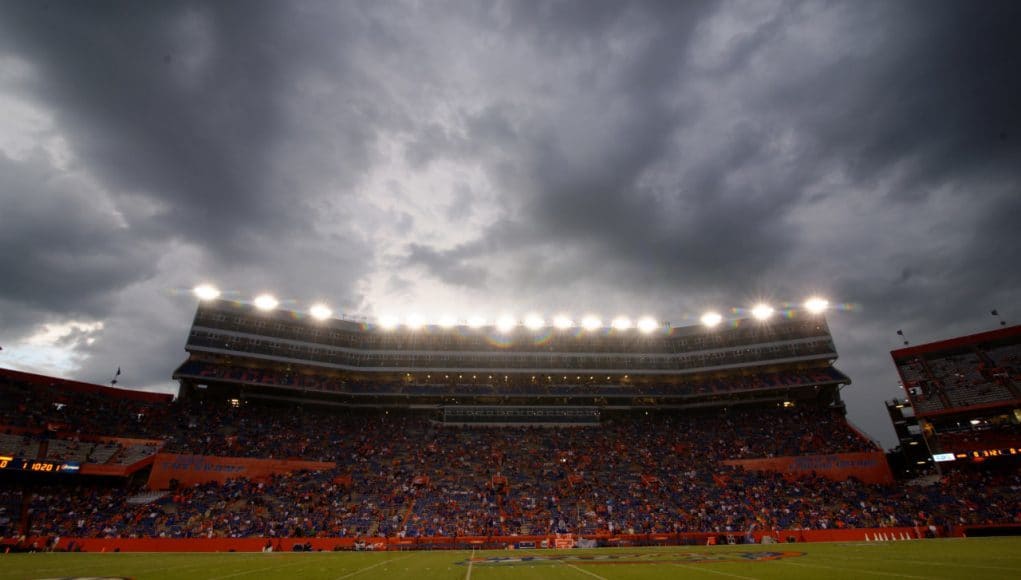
[
  {"x": 476, "y": 322},
  {"x": 621, "y": 323},
  {"x": 320, "y": 311},
  {"x": 817, "y": 305},
  {"x": 534, "y": 322},
  {"x": 647, "y": 324},
  {"x": 562, "y": 322},
  {"x": 506, "y": 323},
  {"x": 447, "y": 321},
  {"x": 591, "y": 323},
  {"x": 266, "y": 302},
  {"x": 388, "y": 321},
  {"x": 711, "y": 319},
  {"x": 206, "y": 292},
  {"x": 415, "y": 321},
  {"x": 762, "y": 311}
]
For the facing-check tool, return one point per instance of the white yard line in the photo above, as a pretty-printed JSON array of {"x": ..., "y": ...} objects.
[
  {"x": 376, "y": 565},
  {"x": 592, "y": 574},
  {"x": 711, "y": 571},
  {"x": 471, "y": 560},
  {"x": 259, "y": 570},
  {"x": 931, "y": 563},
  {"x": 854, "y": 570}
]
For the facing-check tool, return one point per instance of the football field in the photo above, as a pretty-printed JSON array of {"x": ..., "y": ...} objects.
[{"x": 974, "y": 559}]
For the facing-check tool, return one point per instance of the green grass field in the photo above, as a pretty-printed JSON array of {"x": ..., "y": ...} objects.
[{"x": 975, "y": 559}]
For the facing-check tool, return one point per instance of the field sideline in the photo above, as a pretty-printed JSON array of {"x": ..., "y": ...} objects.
[{"x": 984, "y": 558}]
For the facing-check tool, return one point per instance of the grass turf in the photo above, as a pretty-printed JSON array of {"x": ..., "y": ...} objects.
[{"x": 979, "y": 558}]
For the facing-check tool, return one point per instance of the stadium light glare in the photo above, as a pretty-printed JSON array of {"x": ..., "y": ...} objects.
[
  {"x": 320, "y": 311},
  {"x": 591, "y": 323},
  {"x": 711, "y": 319},
  {"x": 447, "y": 321},
  {"x": 476, "y": 322},
  {"x": 266, "y": 302},
  {"x": 562, "y": 322},
  {"x": 415, "y": 321},
  {"x": 388, "y": 321},
  {"x": 621, "y": 323},
  {"x": 206, "y": 292},
  {"x": 506, "y": 323},
  {"x": 817, "y": 305},
  {"x": 534, "y": 322},
  {"x": 647, "y": 324},
  {"x": 762, "y": 311}
]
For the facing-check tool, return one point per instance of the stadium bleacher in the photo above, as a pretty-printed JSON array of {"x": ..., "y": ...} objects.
[{"x": 418, "y": 453}]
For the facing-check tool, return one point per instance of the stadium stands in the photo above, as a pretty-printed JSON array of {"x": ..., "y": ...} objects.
[{"x": 500, "y": 451}]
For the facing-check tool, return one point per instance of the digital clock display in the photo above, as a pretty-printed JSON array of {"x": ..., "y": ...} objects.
[
  {"x": 981, "y": 454},
  {"x": 38, "y": 465}
]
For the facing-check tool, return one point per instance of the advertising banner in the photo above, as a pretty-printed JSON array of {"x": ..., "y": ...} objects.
[
  {"x": 192, "y": 469},
  {"x": 869, "y": 466}
]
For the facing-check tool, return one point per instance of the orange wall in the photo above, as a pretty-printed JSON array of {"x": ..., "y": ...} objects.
[
  {"x": 870, "y": 466},
  {"x": 192, "y": 469},
  {"x": 328, "y": 544}
]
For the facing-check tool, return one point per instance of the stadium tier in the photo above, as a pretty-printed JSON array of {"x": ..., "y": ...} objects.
[
  {"x": 279, "y": 354},
  {"x": 966, "y": 394},
  {"x": 287, "y": 427}
]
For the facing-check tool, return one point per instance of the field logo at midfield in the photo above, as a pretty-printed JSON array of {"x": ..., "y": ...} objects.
[{"x": 630, "y": 558}]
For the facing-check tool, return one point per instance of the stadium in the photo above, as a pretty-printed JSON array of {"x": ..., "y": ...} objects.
[{"x": 576, "y": 445}]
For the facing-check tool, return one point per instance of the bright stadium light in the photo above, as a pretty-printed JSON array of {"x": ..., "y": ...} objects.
[
  {"x": 711, "y": 319},
  {"x": 534, "y": 322},
  {"x": 762, "y": 311},
  {"x": 621, "y": 323},
  {"x": 476, "y": 322},
  {"x": 320, "y": 311},
  {"x": 647, "y": 324},
  {"x": 415, "y": 321},
  {"x": 206, "y": 292},
  {"x": 506, "y": 323},
  {"x": 447, "y": 321},
  {"x": 562, "y": 322},
  {"x": 388, "y": 321},
  {"x": 816, "y": 305},
  {"x": 591, "y": 323},
  {"x": 265, "y": 302}
]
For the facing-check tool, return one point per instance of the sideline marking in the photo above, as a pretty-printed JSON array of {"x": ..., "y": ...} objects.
[
  {"x": 930, "y": 563},
  {"x": 857, "y": 570},
  {"x": 592, "y": 574},
  {"x": 260, "y": 570},
  {"x": 376, "y": 565},
  {"x": 468, "y": 575},
  {"x": 711, "y": 571}
]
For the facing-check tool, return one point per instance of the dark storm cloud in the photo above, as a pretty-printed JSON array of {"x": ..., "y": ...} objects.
[
  {"x": 62, "y": 251},
  {"x": 662, "y": 155},
  {"x": 200, "y": 108},
  {"x": 447, "y": 268},
  {"x": 927, "y": 101},
  {"x": 112, "y": 72}
]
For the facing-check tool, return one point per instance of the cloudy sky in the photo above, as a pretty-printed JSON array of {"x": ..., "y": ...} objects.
[{"x": 492, "y": 157}]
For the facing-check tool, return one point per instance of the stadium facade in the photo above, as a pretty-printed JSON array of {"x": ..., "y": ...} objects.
[
  {"x": 484, "y": 374},
  {"x": 964, "y": 395}
]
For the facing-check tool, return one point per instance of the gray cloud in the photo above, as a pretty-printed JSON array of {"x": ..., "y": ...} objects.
[{"x": 609, "y": 156}]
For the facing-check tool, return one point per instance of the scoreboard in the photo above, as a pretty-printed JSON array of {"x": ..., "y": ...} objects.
[
  {"x": 38, "y": 465},
  {"x": 978, "y": 455}
]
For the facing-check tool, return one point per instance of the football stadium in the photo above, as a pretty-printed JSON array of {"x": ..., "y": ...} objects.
[{"x": 513, "y": 448}]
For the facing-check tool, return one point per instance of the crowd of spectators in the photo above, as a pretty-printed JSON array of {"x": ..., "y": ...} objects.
[
  {"x": 465, "y": 482},
  {"x": 407, "y": 474}
]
